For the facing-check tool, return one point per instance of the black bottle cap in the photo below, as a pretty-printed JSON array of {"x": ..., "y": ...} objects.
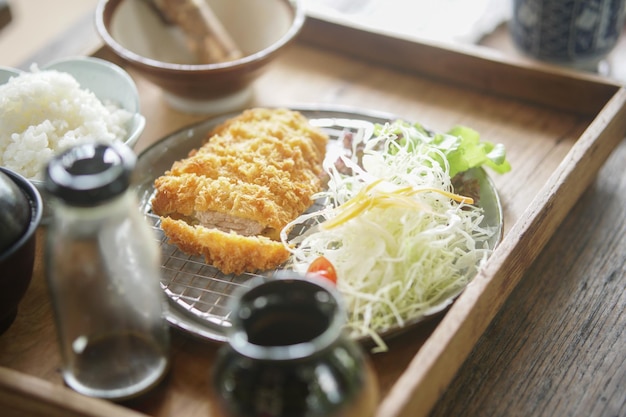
[{"x": 89, "y": 174}]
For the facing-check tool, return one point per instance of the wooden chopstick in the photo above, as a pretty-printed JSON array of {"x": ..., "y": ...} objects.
[{"x": 208, "y": 38}]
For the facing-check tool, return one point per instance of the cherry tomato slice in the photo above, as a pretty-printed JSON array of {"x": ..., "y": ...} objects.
[{"x": 324, "y": 268}]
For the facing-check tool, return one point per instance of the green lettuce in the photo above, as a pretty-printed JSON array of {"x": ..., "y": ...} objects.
[{"x": 461, "y": 146}]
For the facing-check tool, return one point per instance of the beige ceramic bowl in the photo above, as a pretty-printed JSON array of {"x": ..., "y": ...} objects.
[{"x": 261, "y": 28}]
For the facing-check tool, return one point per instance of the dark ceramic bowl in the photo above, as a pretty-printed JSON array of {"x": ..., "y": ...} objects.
[
  {"x": 134, "y": 32},
  {"x": 17, "y": 261}
]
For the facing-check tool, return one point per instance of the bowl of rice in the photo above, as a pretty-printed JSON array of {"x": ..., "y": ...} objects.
[{"x": 62, "y": 104}]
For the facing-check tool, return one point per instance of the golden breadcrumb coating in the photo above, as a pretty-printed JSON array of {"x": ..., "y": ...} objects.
[
  {"x": 259, "y": 169},
  {"x": 229, "y": 252}
]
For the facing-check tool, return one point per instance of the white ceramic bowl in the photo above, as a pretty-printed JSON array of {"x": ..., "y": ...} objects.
[{"x": 107, "y": 81}]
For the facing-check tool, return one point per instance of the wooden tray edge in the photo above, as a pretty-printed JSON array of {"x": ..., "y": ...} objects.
[
  {"x": 436, "y": 363},
  {"x": 471, "y": 66},
  {"x": 23, "y": 395}
]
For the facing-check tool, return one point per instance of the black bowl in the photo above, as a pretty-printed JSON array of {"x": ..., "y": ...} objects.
[{"x": 17, "y": 261}]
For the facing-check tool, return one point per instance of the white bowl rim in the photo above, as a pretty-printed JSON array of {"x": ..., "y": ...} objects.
[
  {"x": 296, "y": 25},
  {"x": 91, "y": 60}
]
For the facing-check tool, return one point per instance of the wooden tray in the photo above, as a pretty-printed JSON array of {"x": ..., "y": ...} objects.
[{"x": 559, "y": 127}]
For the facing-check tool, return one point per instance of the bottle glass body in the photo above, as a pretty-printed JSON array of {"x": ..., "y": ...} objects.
[{"x": 103, "y": 274}]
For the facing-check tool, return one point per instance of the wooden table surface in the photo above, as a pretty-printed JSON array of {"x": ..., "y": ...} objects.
[{"x": 558, "y": 345}]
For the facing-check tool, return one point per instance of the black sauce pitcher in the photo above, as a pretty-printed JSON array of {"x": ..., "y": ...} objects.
[{"x": 287, "y": 354}]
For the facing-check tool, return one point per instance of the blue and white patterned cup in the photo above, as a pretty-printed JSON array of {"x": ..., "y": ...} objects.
[{"x": 576, "y": 33}]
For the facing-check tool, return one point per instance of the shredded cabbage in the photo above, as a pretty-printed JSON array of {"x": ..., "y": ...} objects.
[{"x": 402, "y": 243}]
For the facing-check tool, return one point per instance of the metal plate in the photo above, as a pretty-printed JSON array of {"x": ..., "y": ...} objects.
[{"x": 200, "y": 294}]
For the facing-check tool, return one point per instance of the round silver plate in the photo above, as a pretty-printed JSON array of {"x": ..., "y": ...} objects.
[{"x": 199, "y": 294}]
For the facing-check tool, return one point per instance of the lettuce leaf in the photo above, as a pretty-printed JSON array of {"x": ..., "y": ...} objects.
[{"x": 462, "y": 146}]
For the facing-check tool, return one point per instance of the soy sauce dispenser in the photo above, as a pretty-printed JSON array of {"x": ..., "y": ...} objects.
[
  {"x": 287, "y": 354},
  {"x": 103, "y": 269}
]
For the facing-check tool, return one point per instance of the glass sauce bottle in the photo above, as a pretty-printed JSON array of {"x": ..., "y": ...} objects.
[{"x": 103, "y": 269}]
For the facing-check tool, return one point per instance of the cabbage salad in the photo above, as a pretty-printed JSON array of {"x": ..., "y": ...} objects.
[{"x": 402, "y": 242}]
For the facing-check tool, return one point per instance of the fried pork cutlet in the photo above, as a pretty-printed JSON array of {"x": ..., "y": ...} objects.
[{"x": 229, "y": 199}]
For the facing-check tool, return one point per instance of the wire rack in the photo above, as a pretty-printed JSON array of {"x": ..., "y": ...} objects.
[
  {"x": 190, "y": 283},
  {"x": 201, "y": 289},
  {"x": 200, "y": 294}
]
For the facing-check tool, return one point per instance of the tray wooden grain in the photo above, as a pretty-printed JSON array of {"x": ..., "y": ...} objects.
[{"x": 559, "y": 127}]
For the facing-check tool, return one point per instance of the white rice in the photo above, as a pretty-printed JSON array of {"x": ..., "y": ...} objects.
[{"x": 44, "y": 112}]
